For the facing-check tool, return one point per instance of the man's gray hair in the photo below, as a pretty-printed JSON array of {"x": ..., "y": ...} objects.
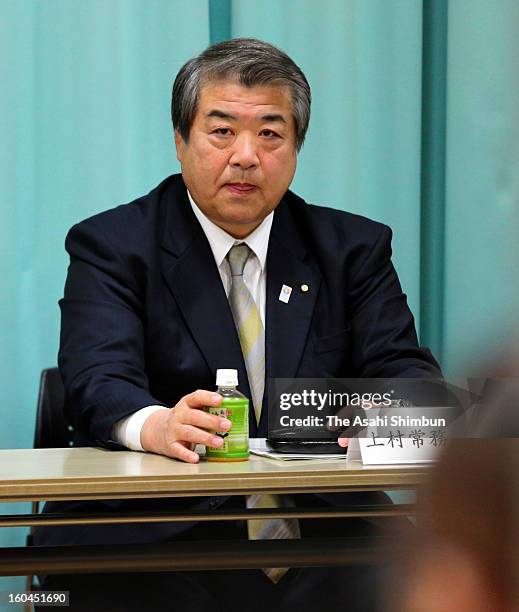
[{"x": 248, "y": 62}]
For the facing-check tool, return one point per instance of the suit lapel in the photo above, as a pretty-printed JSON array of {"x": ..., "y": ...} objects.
[
  {"x": 192, "y": 277},
  {"x": 287, "y": 324}
]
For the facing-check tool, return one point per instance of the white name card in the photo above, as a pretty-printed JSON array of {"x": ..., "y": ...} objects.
[{"x": 386, "y": 451}]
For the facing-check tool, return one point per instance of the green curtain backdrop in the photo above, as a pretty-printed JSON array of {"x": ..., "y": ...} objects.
[
  {"x": 415, "y": 123},
  {"x": 481, "y": 308}
]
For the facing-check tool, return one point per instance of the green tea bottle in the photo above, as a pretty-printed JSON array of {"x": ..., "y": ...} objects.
[{"x": 235, "y": 407}]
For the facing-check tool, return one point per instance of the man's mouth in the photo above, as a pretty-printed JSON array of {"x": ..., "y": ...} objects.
[{"x": 241, "y": 188}]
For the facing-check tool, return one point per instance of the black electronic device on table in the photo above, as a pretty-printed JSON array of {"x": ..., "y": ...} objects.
[
  {"x": 308, "y": 440},
  {"x": 306, "y": 447}
]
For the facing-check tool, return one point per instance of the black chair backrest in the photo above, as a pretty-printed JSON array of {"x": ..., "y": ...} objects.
[{"x": 53, "y": 429}]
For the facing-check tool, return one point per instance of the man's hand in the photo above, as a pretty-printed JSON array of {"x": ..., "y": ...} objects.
[{"x": 175, "y": 432}]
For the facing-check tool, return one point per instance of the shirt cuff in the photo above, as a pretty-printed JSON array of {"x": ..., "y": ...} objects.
[{"x": 127, "y": 431}]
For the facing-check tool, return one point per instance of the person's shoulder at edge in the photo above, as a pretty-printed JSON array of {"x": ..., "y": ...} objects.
[
  {"x": 121, "y": 241},
  {"x": 133, "y": 213}
]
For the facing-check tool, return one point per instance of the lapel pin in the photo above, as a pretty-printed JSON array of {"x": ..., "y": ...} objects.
[
  {"x": 284, "y": 294},
  {"x": 305, "y": 288}
]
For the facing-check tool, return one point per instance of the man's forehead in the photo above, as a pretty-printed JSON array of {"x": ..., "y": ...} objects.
[{"x": 232, "y": 93}]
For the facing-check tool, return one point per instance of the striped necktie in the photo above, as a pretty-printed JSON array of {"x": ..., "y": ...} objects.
[
  {"x": 252, "y": 340},
  {"x": 248, "y": 324}
]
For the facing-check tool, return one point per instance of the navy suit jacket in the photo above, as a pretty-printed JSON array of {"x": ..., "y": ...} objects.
[{"x": 145, "y": 318}]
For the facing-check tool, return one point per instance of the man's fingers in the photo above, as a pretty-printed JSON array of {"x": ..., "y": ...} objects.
[
  {"x": 186, "y": 425},
  {"x": 343, "y": 442},
  {"x": 188, "y": 433},
  {"x": 188, "y": 411},
  {"x": 204, "y": 420},
  {"x": 201, "y": 398},
  {"x": 177, "y": 450}
]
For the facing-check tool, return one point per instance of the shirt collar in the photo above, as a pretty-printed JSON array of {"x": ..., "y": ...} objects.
[{"x": 220, "y": 241}]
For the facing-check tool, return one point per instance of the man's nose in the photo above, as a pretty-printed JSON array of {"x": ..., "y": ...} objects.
[{"x": 244, "y": 153}]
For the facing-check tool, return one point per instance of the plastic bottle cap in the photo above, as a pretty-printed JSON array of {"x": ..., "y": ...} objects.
[{"x": 226, "y": 378}]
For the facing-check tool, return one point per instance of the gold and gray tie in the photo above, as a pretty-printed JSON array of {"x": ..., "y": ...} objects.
[
  {"x": 252, "y": 340},
  {"x": 248, "y": 323}
]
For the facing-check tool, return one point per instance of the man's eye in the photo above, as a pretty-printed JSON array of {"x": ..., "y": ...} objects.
[
  {"x": 222, "y": 131},
  {"x": 268, "y": 133}
]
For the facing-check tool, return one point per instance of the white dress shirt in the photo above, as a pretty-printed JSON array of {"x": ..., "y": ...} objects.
[{"x": 127, "y": 431}]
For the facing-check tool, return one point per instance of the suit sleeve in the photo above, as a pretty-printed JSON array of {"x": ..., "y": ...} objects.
[
  {"x": 383, "y": 330},
  {"x": 101, "y": 356}
]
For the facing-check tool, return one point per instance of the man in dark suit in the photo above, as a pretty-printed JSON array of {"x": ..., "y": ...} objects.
[{"x": 146, "y": 318}]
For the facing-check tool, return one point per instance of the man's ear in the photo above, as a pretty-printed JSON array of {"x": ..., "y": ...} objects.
[{"x": 179, "y": 144}]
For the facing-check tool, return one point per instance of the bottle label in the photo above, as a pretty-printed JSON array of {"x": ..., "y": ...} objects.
[{"x": 236, "y": 440}]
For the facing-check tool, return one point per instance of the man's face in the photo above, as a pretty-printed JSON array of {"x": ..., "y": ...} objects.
[{"x": 241, "y": 154}]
